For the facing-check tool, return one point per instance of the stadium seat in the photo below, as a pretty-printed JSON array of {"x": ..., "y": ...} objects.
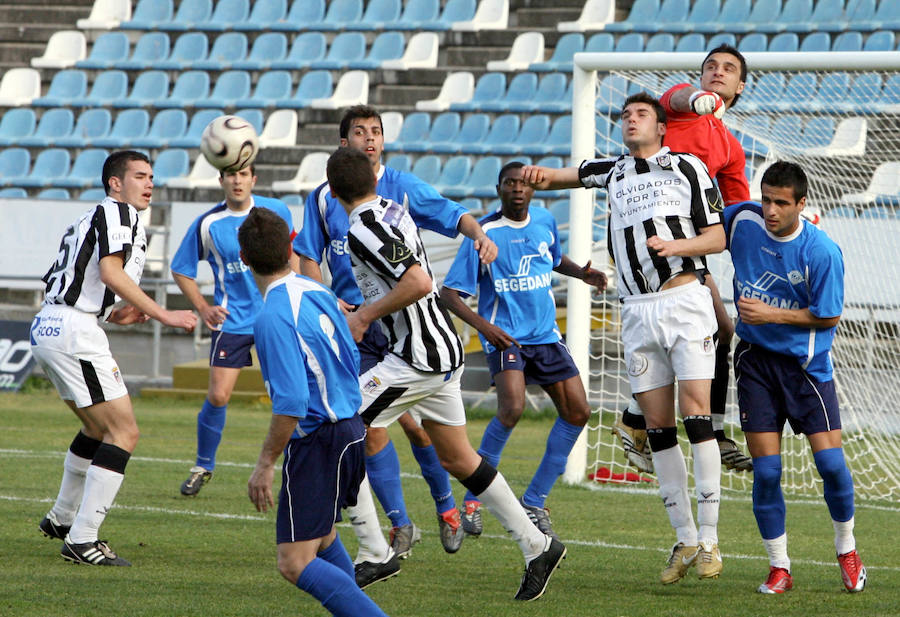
[
  {"x": 310, "y": 174},
  {"x": 151, "y": 48},
  {"x": 530, "y": 139},
  {"x": 550, "y": 96},
  {"x": 58, "y": 194},
  {"x": 229, "y": 50},
  {"x": 345, "y": 48},
  {"x": 167, "y": 125},
  {"x": 558, "y": 140},
  {"x": 66, "y": 85},
  {"x": 264, "y": 15},
  {"x": 307, "y": 48},
  {"x": 595, "y": 15},
  {"x": 191, "y": 14},
  {"x": 106, "y": 15},
  {"x": 253, "y": 116},
  {"x": 482, "y": 181},
  {"x": 472, "y": 204},
  {"x": 14, "y": 164},
  {"x": 421, "y": 53},
  {"x": 414, "y": 129},
  {"x": 130, "y": 125},
  {"x": 769, "y": 87},
  {"x": 13, "y": 192},
  {"x": 109, "y": 48},
  {"x": 633, "y": 42},
  {"x": 504, "y": 128},
  {"x": 400, "y": 162},
  {"x": 755, "y": 134},
  {"x": 16, "y": 124},
  {"x": 230, "y": 86},
  {"x": 886, "y": 17},
  {"x": 95, "y": 195},
  {"x": 49, "y": 166},
  {"x": 885, "y": 181},
  {"x": 674, "y": 79},
  {"x": 521, "y": 90},
  {"x": 64, "y": 49},
  {"x": 849, "y": 139},
  {"x": 19, "y": 86},
  {"x": 391, "y": 121},
  {"x": 85, "y": 172},
  {"x": 818, "y": 132},
  {"x": 453, "y": 176},
  {"x": 664, "y": 42},
  {"x": 444, "y": 128},
  {"x": 486, "y": 89},
  {"x": 732, "y": 12},
  {"x": 761, "y": 12},
  {"x": 191, "y": 87},
  {"x": 191, "y": 138},
  {"x": 171, "y": 163},
  {"x": 427, "y": 168},
  {"x": 883, "y": 40},
  {"x": 831, "y": 92},
  {"x": 611, "y": 94},
  {"x": 889, "y": 99},
  {"x": 863, "y": 95},
  {"x": 53, "y": 124},
  {"x": 755, "y": 41},
  {"x": 149, "y": 87},
  {"x": 379, "y": 15},
  {"x": 794, "y": 17},
  {"x": 92, "y": 124},
  {"x": 800, "y": 87},
  {"x": 602, "y": 42},
  {"x": 202, "y": 176},
  {"x": 457, "y": 87},
  {"x": 301, "y": 15},
  {"x": 352, "y": 89},
  {"x": 784, "y": 41},
  {"x": 474, "y": 129},
  {"x": 526, "y": 49},
  {"x": 148, "y": 13},
  {"x": 848, "y": 41},
  {"x": 642, "y": 11},
  {"x": 561, "y": 59},
  {"x": 827, "y": 15},
  {"x": 722, "y": 38},
  {"x": 670, "y": 12},
  {"x": 227, "y": 14},
  {"x": 386, "y": 46},
  {"x": 189, "y": 48},
  {"x": 490, "y": 15},
  {"x": 312, "y": 85},
  {"x": 700, "y": 11},
  {"x": 454, "y": 11},
  {"x": 271, "y": 88},
  {"x": 280, "y": 129},
  {"x": 415, "y": 14},
  {"x": 293, "y": 199},
  {"x": 339, "y": 15}
]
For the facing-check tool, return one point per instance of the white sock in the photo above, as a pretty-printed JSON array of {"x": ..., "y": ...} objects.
[
  {"x": 844, "y": 540},
  {"x": 777, "y": 550},
  {"x": 707, "y": 477},
  {"x": 499, "y": 499},
  {"x": 364, "y": 519},
  {"x": 671, "y": 471},
  {"x": 100, "y": 488},
  {"x": 71, "y": 489}
]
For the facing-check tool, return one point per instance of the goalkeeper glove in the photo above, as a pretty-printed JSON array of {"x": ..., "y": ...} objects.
[{"x": 703, "y": 102}]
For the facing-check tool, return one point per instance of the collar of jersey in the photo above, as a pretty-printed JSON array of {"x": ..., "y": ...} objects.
[
  {"x": 516, "y": 224},
  {"x": 278, "y": 282},
  {"x": 793, "y": 235},
  {"x": 372, "y": 204}
]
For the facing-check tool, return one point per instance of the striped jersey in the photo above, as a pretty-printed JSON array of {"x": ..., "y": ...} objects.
[
  {"x": 212, "y": 237},
  {"x": 306, "y": 353},
  {"x": 669, "y": 195},
  {"x": 74, "y": 279},
  {"x": 384, "y": 243}
]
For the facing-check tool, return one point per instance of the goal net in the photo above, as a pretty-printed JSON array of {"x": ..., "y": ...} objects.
[{"x": 838, "y": 116}]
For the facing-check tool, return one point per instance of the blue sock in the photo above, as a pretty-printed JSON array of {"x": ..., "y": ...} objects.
[
  {"x": 210, "y": 424},
  {"x": 437, "y": 477},
  {"x": 337, "y": 555},
  {"x": 838, "y": 483},
  {"x": 384, "y": 476},
  {"x": 559, "y": 443},
  {"x": 492, "y": 443},
  {"x": 768, "y": 500},
  {"x": 336, "y": 590}
]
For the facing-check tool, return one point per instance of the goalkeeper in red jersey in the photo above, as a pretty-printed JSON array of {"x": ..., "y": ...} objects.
[{"x": 694, "y": 125}]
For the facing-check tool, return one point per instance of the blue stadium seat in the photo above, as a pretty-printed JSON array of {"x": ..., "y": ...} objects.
[
  {"x": 293, "y": 199},
  {"x": 453, "y": 176},
  {"x": 473, "y": 130},
  {"x": 129, "y": 125},
  {"x": 191, "y": 87},
  {"x": 444, "y": 129},
  {"x": 454, "y": 10},
  {"x": 883, "y": 40},
  {"x": 49, "y": 166},
  {"x": 92, "y": 124},
  {"x": 86, "y": 170},
  {"x": 228, "y": 50},
  {"x": 400, "y": 162},
  {"x": 487, "y": 88},
  {"x": 633, "y": 42},
  {"x": 13, "y": 192},
  {"x": 785, "y": 41},
  {"x": 230, "y": 86},
  {"x": 95, "y": 195},
  {"x": 887, "y": 17},
  {"x": 521, "y": 90},
  {"x": 550, "y": 96},
  {"x": 848, "y": 212},
  {"x": 106, "y": 51},
  {"x": 664, "y": 42},
  {"x": 171, "y": 163},
  {"x": 379, "y": 15},
  {"x": 313, "y": 85},
  {"x": 722, "y": 38},
  {"x": 550, "y": 161},
  {"x": 670, "y": 12},
  {"x": 414, "y": 130},
  {"x": 191, "y": 13},
  {"x": 151, "y": 48},
  {"x": 567, "y": 46},
  {"x": 307, "y": 47},
  {"x": 769, "y": 87},
  {"x": 58, "y": 194},
  {"x": 148, "y": 13},
  {"x": 503, "y": 129},
  {"x": 16, "y": 123},
  {"x": 191, "y": 138},
  {"x": 860, "y": 13},
  {"x": 890, "y": 94},
  {"x": 794, "y": 17},
  {"x": 268, "y": 48},
  {"x": 344, "y": 49},
  {"x": 877, "y": 212},
  {"x": 560, "y": 211},
  {"x": 482, "y": 181},
  {"x": 611, "y": 94},
  {"x": 848, "y": 41},
  {"x": 558, "y": 140},
  {"x": 227, "y": 15},
  {"x": 66, "y": 85},
  {"x": 53, "y": 124},
  {"x": 674, "y": 79},
  {"x": 827, "y": 15},
  {"x": 271, "y": 88},
  {"x": 167, "y": 125},
  {"x": 755, "y": 41},
  {"x": 386, "y": 46},
  {"x": 264, "y": 15},
  {"x": 863, "y": 95},
  {"x": 149, "y": 87},
  {"x": 831, "y": 93},
  {"x": 602, "y": 42},
  {"x": 301, "y": 15},
  {"x": 800, "y": 87},
  {"x": 817, "y": 132},
  {"x": 700, "y": 12},
  {"x": 14, "y": 164},
  {"x": 531, "y": 137},
  {"x": 417, "y": 13},
  {"x": 189, "y": 48},
  {"x": 108, "y": 86},
  {"x": 755, "y": 134},
  {"x": 762, "y": 12},
  {"x": 642, "y": 11},
  {"x": 339, "y": 15},
  {"x": 253, "y": 116},
  {"x": 733, "y": 12},
  {"x": 472, "y": 204},
  {"x": 427, "y": 168}
]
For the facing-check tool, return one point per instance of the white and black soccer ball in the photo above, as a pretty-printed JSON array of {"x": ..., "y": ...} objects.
[{"x": 229, "y": 143}]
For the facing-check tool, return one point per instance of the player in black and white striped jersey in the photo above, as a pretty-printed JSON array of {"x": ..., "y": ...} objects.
[
  {"x": 665, "y": 215},
  {"x": 101, "y": 258}
]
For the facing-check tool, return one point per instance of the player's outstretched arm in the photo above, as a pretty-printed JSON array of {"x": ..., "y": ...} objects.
[
  {"x": 212, "y": 316},
  {"x": 710, "y": 240},
  {"x": 589, "y": 275},
  {"x": 700, "y": 102},
  {"x": 755, "y": 312},
  {"x": 495, "y": 335},
  {"x": 414, "y": 285},
  {"x": 127, "y": 315},
  {"x": 484, "y": 246},
  {"x": 549, "y": 178}
]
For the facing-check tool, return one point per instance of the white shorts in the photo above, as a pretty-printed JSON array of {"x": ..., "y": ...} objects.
[
  {"x": 73, "y": 351},
  {"x": 392, "y": 387},
  {"x": 669, "y": 335}
]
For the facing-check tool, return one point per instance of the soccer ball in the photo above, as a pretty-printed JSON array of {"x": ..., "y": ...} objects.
[{"x": 229, "y": 143}]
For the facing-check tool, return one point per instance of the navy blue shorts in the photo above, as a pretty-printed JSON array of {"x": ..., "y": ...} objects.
[
  {"x": 230, "y": 350},
  {"x": 372, "y": 348},
  {"x": 320, "y": 475},
  {"x": 542, "y": 364},
  {"x": 773, "y": 388}
]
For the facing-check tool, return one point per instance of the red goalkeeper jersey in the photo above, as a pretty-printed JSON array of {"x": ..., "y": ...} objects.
[{"x": 707, "y": 138}]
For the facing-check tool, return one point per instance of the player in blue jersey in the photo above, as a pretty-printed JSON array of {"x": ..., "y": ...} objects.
[
  {"x": 323, "y": 238},
  {"x": 789, "y": 289},
  {"x": 236, "y": 301},
  {"x": 516, "y": 321},
  {"x": 309, "y": 363}
]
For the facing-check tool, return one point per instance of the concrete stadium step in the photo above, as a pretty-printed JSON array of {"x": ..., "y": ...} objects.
[
  {"x": 199, "y": 395},
  {"x": 195, "y": 375}
]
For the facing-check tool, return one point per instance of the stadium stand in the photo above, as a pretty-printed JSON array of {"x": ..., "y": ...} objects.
[
  {"x": 64, "y": 49},
  {"x": 106, "y": 15}
]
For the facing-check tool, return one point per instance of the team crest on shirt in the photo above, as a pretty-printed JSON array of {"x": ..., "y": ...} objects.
[
  {"x": 638, "y": 365},
  {"x": 664, "y": 160},
  {"x": 371, "y": 385},
  {"x": 708, "y": 345},
  {"x": 795, "y": 277},
  {"x": 395, "y": 252},
  {"x": 117, "y": 375},
  {"x": 715, "y": 199}
]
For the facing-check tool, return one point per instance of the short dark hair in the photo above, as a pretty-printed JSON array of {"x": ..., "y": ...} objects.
[
  {"x": 252, "y": 167},
  {"x": 725, "y": 48},
  {"x": 649, "y": 99},
  {"x": 358, "y": 111},
  {"x": 265, "y": 240},
  {"x": 116, "y": 164},
  {"x": 350, "y": 174},
  {"x": 787, "y": 174},
  {"x": 509, "y": 166}
]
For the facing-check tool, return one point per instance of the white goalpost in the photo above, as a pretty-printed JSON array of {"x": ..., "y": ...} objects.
[{"x": 837, "y": 115}]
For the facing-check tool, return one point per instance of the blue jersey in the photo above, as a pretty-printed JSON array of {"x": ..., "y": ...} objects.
[
  {"x": 306, "y": 353},
  {"x": 802, "y": 271},
  {"x": 514, "y": 291},
  {"x": 213, "y": 237},
  {"x": 325, "y": 224}
]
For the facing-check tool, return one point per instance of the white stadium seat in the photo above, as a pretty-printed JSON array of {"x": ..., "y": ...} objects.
[
  {"x": 458, "y": 87},
  {"x": 849, "y": 139},
  {"x": 594, "y": 16},
  {"x": 202, "y": 176},
  {"x": 352, "y": 89},
  {"x": 421, "y": 53},
  {"x": 19, "y": 86},
  {"x": 391, "y": 122},
  {"x": 280, "y": 129},
  {"x": 527, "y": 49},
  {"x": 106, "y": 15},
  {"x": 64, "y": 49},
  {"x": 490, "y": 15},
  {"x": 310, "y": 174}
]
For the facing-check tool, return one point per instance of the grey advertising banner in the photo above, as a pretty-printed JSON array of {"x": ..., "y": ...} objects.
[{"x": 16, "y": 361}]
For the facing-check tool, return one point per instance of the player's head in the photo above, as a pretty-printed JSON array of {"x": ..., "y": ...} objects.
[
  {"x": 350, "y": 175},
  {"x": 643, "y": 122},
  {"x": 515, "y": 195},
  {"x": 724, "y": 72},
  {"x": 361, "y": 128},
  {"x": 238, "y": 185},
  {"x": 265, "y": 242},
  {"x": 784, "y": 187},
  {"x": 128, "y": 177}
]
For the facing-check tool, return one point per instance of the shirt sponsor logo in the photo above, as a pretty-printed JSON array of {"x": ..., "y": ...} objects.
[
  {"x": 236, "y": 267},
  {"x": 120, "y": 234},
  {"x": 371, "y": 385},
  {"x": 339, "y": 247},
  {"x": 395, "y": 252},
  {"x": 753, "y": 290}
]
